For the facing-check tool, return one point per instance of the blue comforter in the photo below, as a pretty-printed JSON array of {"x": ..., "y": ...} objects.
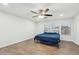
[{"x": 50, "y": 38}]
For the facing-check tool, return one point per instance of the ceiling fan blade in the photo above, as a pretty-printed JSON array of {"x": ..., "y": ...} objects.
[
  {"x": 47, "y": 10},
  {"x": 40, "y": 11},
  {"x": 48, "y": 15},
  {"x": 35, "y": 16},
  {"x": 34, "y": 12}
]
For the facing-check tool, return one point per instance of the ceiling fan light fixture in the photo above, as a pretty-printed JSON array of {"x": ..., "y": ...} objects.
[{"x": 41, "y": 16}]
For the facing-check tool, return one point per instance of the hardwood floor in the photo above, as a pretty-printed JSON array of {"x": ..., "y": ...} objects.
[{"x": 29, "y": 47}]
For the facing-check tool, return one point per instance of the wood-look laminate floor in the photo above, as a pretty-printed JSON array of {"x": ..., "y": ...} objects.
[{"x": 29, "y": 47}]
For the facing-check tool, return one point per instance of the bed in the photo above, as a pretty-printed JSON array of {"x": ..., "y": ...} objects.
[{"x": 48, "y": 38}]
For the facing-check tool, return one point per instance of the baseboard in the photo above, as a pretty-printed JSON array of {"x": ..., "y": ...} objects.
[
  {"x": 11, "y": 43},
  {"x": 66, "y": 40},
  {"x": 77, "y": 43}
]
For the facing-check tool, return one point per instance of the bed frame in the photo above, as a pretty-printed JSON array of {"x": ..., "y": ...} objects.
[{"x": 48, "y": 38}]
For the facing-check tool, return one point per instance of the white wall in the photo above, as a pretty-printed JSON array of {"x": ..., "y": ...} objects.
[
  {"x": 40, "y": 27},
  {"x": 14, "y": 29},
  {"x": 76, "y": 30}
]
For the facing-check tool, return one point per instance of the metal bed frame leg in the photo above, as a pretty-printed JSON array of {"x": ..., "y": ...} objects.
[
  {"x": 35, "y": 40},
  {"x": 57, "y": 45}
]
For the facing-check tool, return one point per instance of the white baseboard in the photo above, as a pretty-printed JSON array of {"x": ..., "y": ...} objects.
[
  {"x": 76, "y": 43},
  {"x": 11, "y": 43},
  {"x": 73, "y": 42},
  {"x": 66, "y": 40}
]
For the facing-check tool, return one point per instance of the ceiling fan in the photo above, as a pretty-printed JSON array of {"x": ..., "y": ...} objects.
[{"x": 41, "y": 13}]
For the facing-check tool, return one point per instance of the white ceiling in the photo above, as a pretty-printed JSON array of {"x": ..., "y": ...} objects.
[{"x": 23, "y": 9}]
